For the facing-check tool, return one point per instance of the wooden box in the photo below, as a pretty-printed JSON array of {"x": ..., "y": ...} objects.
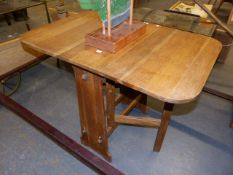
[{"x": 121, "y": 36}]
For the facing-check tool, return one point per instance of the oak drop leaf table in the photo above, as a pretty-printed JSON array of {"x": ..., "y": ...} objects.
[{"x": 167, "y": 64}]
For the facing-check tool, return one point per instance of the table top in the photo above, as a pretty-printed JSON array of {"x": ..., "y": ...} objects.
[
  {"x": 167, "y": 64},
  {"x": 14, "y": 56},
  {"x": 8, "y": 6}
]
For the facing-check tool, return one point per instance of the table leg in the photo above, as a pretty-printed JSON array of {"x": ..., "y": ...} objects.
[
  {"x": 26, "y": 20},
  {"x": 165, "y": 119},
  {"x": 92, "y": 111},
  {"x": 47, "y": 11},
  {"x": 110, "y": 107}
]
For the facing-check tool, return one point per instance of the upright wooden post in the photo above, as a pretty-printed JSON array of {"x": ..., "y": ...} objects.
[
  {"x": 131, "y": 12},
  {"x": 103, "y": 29},
  {"x": 109, "y": 16},
  {"x": 167, "y": 110},
  {"x": 93, "y": 118}
]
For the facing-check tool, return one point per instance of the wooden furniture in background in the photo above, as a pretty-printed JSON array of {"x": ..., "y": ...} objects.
[
  {"x": 9, "y": 6},
  {"x": 181, "y": 21},
  {"x": 230, "y": 18},
  {"x": 160, "y": 64},
  {"x": 217, "y": 5},
  {"x": 188, "y": 7},
  {"x": 13, "y": 59},
  {"x": 221, "y": 35},
  {"x": 61, "y": 10}
]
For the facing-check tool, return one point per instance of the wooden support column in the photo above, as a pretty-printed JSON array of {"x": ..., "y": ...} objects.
[
  {"x": 93, "y": 119},
  {"x": 165, "y": 119},
  {"x": 110, "y": 107}
]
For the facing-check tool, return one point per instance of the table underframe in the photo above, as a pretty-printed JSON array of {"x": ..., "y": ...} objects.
[{"x": 96, "y": 99}]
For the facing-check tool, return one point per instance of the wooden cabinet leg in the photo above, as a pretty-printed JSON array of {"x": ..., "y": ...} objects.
[
  {"x": 93, "y": 119},
  {"x": 166, "y": 115}
]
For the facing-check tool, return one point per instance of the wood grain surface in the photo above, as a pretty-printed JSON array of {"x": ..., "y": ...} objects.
[
  {"x": 121, "y": 36},
  {"x": 230, "y": 18},
  {"x": 13, "y": 55},
  {"x": 164, "y": 63},
  {"x": 92, "y": 111}
]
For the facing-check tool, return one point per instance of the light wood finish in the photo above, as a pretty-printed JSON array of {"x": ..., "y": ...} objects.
[
  {"x": 50, "y": 38},
  {"x": 230, "y": 18},
  {"x": 131, "y": 12},
  {"x": 109, "y": 17},
  {"x": 13, "y": 55},
  {"x": 214, "y": 17},
  {"x": 139, "y": 121},
  {"x": 167, "y": 64},
  {"x": 103, "y": 29}
]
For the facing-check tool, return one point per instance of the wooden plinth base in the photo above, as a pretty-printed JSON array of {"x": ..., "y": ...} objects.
[{"x": 121, "y": 36}]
